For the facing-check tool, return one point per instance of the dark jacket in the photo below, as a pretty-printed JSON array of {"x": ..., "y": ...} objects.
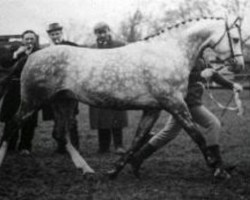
[
  {"x": 47, "y": 112},
  {"x": 12, "y": 97},
  {"x": 196, "y": 83},
  {"x": 107, "y": 118}
]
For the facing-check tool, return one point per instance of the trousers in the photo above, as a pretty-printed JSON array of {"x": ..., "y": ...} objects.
[
  {"x": 210, "y": 125},
  {"x": 105, "y": 135}
]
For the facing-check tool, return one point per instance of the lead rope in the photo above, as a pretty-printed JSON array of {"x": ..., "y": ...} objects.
[{"x": 238, "y": 103}]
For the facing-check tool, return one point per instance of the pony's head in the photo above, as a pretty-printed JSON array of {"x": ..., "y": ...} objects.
[{"x": 226, "y": 43}]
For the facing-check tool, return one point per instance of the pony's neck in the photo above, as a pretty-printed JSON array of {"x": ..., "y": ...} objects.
[
  {"x": 194, "y": 46},
  {"x": 191, "y": 37},
  {"x": 198, "y": 37}
]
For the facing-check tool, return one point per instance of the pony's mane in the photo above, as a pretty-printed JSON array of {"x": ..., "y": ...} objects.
[{"x": 181, "y": 24}]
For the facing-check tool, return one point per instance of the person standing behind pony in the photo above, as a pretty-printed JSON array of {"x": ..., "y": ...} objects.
[
  {"x": 11, "y": 99},
  {"x": 201, "y": 115},
  {"x": 55, "y": 33},
  {"x": 108, "y": 122}
]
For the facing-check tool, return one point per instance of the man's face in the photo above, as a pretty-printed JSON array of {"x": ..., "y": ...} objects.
[
  {"x": 29, "y": 40},
  {"x": 103, "y": 36},
  {"x": 56, "y": 36}
]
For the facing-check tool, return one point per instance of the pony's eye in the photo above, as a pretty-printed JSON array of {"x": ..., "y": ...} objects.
[{"x": 236, "y": 40}]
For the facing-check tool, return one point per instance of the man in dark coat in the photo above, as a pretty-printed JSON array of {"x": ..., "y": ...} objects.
[
  {"x": 108, "y": 122},
  {"x": 11, "y": 99},
  {"x": 55, "y": 32}
]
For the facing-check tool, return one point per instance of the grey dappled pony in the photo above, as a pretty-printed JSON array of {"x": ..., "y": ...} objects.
[{"x": 149, "y": 75}]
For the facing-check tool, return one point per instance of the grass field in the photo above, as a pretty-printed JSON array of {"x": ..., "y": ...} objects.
[{"x": 176, "y": 172}]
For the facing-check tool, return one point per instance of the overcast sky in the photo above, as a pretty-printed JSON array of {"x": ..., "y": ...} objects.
[{"x": 19, "y": 15}]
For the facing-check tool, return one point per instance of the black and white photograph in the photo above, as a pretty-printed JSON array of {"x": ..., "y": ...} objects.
[{"x": 124, "y": 100}]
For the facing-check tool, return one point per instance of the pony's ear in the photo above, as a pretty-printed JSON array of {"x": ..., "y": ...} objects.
[{"x": 238, "y": 21}]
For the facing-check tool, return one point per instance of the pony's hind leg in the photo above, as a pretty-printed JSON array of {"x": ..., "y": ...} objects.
[
  {"x": 148, "y": 119},
  {"x": 63, "y": 109}
]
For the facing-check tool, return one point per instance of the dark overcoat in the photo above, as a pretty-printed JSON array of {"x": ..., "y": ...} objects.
[
  {"x": 12, "y": 97},
  {"x": 107, "y": 118}
]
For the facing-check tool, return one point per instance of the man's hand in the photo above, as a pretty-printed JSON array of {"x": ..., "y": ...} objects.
[
  {"x": 207, "y": 73},
  {"x": 20, "y": 50},
  {"x": 237, "y": 87}
]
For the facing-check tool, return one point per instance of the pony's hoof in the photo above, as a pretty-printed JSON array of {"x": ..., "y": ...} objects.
[
  {"x": 221, "y": 174},
  {"x": 112, "y": 174},
  {"x": 91, "y": 177}
]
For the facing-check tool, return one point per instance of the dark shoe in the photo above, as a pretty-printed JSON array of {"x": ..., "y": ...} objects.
[
  {"x": 24, "y": 152},
  {"x": 120, "y": 151}
]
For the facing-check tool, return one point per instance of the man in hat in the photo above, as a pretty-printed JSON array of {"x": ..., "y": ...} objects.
[
  {"x": 108, "y": 122},
  {"x": 55, "y": 33},
  {"x": 12, "y": 97}
]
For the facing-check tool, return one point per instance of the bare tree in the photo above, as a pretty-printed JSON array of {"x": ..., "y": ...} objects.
[
  {"x": 78, "y": 33},
  {"x": 189, "y": 9},
  {"x": 236, "y": 7},
  {"x": 131, "y": 28}
]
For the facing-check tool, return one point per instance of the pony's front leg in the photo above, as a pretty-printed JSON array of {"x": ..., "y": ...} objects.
[
  {"x": 148, "y": 119},
  {"x": 77, "y": 159},
  {"x": 63, "y": 109},
  {"x": 212, "y": 157},
  {"x": 3, "y": 151}
]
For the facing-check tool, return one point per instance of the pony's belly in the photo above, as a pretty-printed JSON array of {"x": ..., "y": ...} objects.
[{"x": 103, "y": 101}]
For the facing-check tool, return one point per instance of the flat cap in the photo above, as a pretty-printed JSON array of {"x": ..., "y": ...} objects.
[
  {"x": 101, "y": 26},
  {"x": 54, "y": 27}
]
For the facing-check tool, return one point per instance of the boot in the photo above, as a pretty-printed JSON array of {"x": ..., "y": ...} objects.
[
  {"x": 117, "y": 138},
  {"x": 27, "y": 134},
  {"x": 137, "y": 160},
  {"x": 74, "y": 133},
  {"x": 213, "y": 157},
  {"x": 61, "y": 145},
  {"x": 104, "y": 137},
  {"x": 14, "y": 138},
  {"x": 214, "y": 161}
]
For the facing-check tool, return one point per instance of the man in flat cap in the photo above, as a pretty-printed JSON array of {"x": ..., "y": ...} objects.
[
  {"x": 108, "y": 122},
  {"x": 12, "y": 97},
  {"x": 55, "y": 33}
]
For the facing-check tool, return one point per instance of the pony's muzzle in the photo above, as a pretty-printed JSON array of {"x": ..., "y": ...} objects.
[{"x": 236, "y": 64}]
